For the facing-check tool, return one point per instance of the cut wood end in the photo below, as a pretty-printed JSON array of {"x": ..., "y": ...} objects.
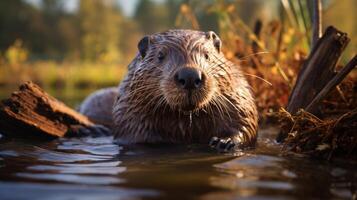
[{"x": 30, "y": 111}]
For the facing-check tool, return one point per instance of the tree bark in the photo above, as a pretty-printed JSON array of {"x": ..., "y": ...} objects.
[{"x": 31, "y": 112}]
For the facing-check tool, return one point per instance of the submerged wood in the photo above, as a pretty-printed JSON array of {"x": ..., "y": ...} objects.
[{"x": 31, "y": 112}]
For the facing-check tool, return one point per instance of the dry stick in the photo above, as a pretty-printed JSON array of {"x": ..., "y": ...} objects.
[
  {"x": 255, "y": 48},
  {"x": 316, "y": 21},
  {"x": 257, "y": 30},
  {"x": 335, "y": 81}
]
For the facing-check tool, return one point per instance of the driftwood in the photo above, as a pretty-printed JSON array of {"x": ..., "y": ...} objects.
[
  {"x": 318, "y": 75},
  {"x": 333, "y": 83},
  {"x": 31, "y": 112},
  {"x": 318, "y": 70}
]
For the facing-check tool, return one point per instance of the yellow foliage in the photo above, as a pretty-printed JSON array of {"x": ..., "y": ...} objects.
[
  {"x": 288, "y": 36},
  {"x": 111, "y": 56},
  {"x": 184, "y": 8},
  {"x": 16, "y": 54}
]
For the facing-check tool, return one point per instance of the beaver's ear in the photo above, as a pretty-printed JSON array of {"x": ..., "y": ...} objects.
[
  {"x": 210, "y": 35},
  {"x": 143, "y": 45}
]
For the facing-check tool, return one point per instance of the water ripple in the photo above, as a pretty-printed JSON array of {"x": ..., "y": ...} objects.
[
  {"x": 95, "y": 168},
  {"x": 71, "y": 178},
  {"x": 79, "y": 169},
  {"x": 18, "y": 190}
]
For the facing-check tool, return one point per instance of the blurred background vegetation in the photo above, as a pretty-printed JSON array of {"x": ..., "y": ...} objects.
[{"x": 72, "y": 47}]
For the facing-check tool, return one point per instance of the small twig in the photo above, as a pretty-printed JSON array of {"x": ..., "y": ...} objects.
[
  {"x": 342, "y": 95},
  {"x": 257, "y": 30}
]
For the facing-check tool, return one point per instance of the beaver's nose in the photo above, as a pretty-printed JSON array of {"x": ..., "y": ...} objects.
[{"x": 189, "y": 78}]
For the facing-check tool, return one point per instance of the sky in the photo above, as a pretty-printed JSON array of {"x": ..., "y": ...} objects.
[{"x": 128, "y": 6}]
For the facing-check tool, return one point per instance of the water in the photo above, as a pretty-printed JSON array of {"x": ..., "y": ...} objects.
[{"x": 95, "y": 168}]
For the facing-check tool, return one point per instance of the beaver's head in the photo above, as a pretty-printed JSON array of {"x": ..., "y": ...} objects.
[{"x": 188, "y": 65}]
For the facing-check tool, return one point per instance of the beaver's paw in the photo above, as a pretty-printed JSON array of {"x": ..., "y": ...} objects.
[
  {"x": 222, "y": 145},
  {"x": 94, "y": 131}
]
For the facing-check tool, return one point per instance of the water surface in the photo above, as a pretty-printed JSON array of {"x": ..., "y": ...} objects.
[{"x": 95, "y": 168}]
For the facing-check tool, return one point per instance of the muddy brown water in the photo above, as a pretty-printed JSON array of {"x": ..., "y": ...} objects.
[{"x": 95, "y": 168}]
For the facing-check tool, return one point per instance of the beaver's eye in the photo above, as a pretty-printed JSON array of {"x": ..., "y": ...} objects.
[
  {"x": 206, "y": 56},
  {"x": 161, "y": 56}
]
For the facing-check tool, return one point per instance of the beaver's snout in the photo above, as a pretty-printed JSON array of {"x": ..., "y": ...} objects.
[{"x": 189, "y": 78}]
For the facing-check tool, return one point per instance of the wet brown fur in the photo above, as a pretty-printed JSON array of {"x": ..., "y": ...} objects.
[{"x": 150, "y": 108}]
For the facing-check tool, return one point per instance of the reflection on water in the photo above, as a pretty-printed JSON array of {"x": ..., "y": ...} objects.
[{"x": 95, "y": 168}]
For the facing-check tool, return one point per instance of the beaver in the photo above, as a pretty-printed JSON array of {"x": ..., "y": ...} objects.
[{"x": 179, "y": 88}]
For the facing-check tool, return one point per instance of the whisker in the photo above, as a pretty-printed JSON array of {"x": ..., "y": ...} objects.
[
  {"x": 218, "y": 106},
  {"x": 260, "y": 78},
  {"x": 253, "y": 54},
  {"x": 225, "y": 107},
  {"x": 230, "y": 102}
]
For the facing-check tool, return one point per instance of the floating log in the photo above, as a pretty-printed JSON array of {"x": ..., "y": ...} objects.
[{"x": 31, "y": 112}]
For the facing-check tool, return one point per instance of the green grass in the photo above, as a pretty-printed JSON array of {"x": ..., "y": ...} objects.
[
  {"x": 68, "y": 81},
  {"x": 63, "y": 75}
]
